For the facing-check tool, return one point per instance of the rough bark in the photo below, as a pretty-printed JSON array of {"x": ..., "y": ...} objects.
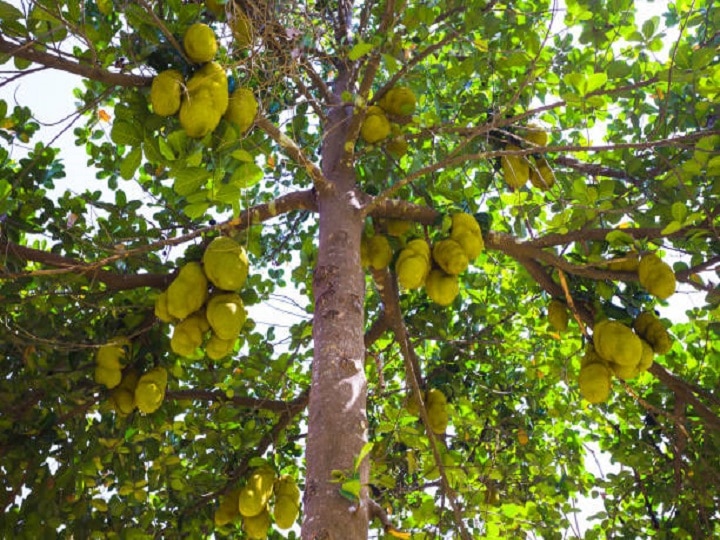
[{"x": 337, "y": 419}]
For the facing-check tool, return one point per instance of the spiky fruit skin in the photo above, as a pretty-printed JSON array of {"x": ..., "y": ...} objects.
[
  {"x": 535, "y": 135},
  {"x": 257, "y": 526},
  {"x": 542, "y": 175},
  {"x": 466, "y": 232},
  {"x": 441, "y": 288},
  {"x": 150, "y": 390},
  {"x": 558, "y": 315},
  {"x": 617, "y": 343},
  {"x": 413, "y": 264},
  {"x": 399, "y": 101},
  {"x": 450, "y": 256},
  {"x": 109, "y": 356},
  {"x": 375, "y": 126},
  {"x": 649, "y": 327},
  {"x": 122, "y": 397},
  {"x": 242, "y": 109},
  {"x": 287, "y": 502},
  {"x": 109, "y": 377},
  {"x": 226, "y": 264},
  {"x": 256, "y": 493},
  {"x": 200, "y": 43},
  {"x": 437, "y": 410},
  {"x": 188, "y": 291},
  {"x": 188, "y": 334},
  {"x": 397, "y": 146},
  {"x": 627, "y": 263},
  {"x": 166, "y": 92},
  {"x": 377, "y": 252},
  {"x": 205, "y": 101},
  {"x": 594, "y": 381},
  {"x": 647, "y": 358},
  {"x": 516, "y": 169},
  {"x": 656, "y": 277},
  {"x": 217, "y": 349},
  {"x": 227, "y": 511},
  {"x": 226, "y": 315}
]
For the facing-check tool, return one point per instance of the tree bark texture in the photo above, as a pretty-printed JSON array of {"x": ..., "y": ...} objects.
[{"x": 337, "y": 418}]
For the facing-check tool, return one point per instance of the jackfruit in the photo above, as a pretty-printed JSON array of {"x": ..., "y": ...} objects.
[
  {"x": 287, "y": 502},
  {"x": 256, "y": 493},
  {"x": 227, "y": 511},
  {"x": 516, "y": 169},
  {"x": 150, "y": 390},
  {"x": 226, "y": 315},
  {"x": 450, "y": 256},
  {"x": 412, "y": 404},
  {"x": 226, "y": 264},
  {"x": 188, "y": 334},
  {"x": 122, "y": 397},
  {"x": 617, "y": 343},
  {"x": 466, "y": 232},
  {"x": 166, "y": 92},
  {"x": 188, "y": 291},
  {"x": 413, "y": 264},
  {"x": 377, "y": 250},
  {"x": 399, "y": 101},
  {"x": 109, "y": 355},
  {"x": 558, "y": 315},
  {"x": 656, "y": 277},
  {"x": 257, "y": 526},
  {"x": 397, "y": 146},
  {"x": 161, "y": 311},
  {"x": 200, "y": 43},
  {"x": 110, "y": 377},
  {"x": 437, "y": 410},
  {"x": 242, "y": 109},
  {"x": 441, "y": 288},
  {"x": 205, "y": 101},
  {"x": 542, "y": 175},
  {"x": 217, "y": 348},
  {"x": 646, "y": 360},
  {"x": 535, "y": 135},
  {"x": 285, "y": 486},
  {"x": 375, "y": 126},
  {"x": 594, "y": 381},
  {"x": 653, "y": 331}
]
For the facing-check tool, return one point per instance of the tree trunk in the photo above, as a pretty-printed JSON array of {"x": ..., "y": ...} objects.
[{"x": 337, "y": 423}]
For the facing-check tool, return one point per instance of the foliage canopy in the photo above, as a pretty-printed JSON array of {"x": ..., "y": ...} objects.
[{"x": 610, "y": 113}]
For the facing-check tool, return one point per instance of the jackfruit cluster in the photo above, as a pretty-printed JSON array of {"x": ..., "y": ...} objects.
[
  {"x": 655, "y": 276},
  {"x": 262, "y": 499},
  {"x": 437, "y": 267},
  {"x": 145, "y": 392},
  {"x": 203, "y": 99},
  {"x": 436, "y": 406},
  {"x": 618, "y": 351},
  {"x": 518, "y": 169},
  {"x": 109, "y": 362},
  {"x": 203, "y": 303},
  {"x": 397, "y": 103}
]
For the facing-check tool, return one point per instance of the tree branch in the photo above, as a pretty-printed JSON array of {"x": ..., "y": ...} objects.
[
  {"x": 240, "y": 401},
  {"x": 89, "y": 71}
]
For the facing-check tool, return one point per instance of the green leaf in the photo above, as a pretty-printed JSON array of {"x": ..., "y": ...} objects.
[
  {"x": 9, "y": 12},
  {"x": 679, "y": 211},
  {"x": 364, "y": 451},
  {"x": 189, "y": 180},
  {"x": 196, "y": 210},
  {"x": 125, "y": 133},
  {"x": 672, "y": 227},
  {"x": 130, "y": 163},
  {"x": 243, "y": 155},
  {"x": 619, "y": 238},
  {"x": 595, "y": 81},
  {"x": 246, "y": 175},
  {"x": 360, "y": 50}
]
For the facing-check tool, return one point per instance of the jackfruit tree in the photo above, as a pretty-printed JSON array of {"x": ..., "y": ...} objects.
[{"x": 372, "y": 269}]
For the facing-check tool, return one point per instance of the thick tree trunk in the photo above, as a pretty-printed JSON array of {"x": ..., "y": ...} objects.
[{"x": 337, "y": 423}]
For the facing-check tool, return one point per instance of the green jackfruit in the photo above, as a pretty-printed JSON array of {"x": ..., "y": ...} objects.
[
  {"x": 399, "y": 101},
  {"x": 200, "y": 43},
  {"x": 441, "y": 288},
  {"x": 256, "y": 493},
  {"x": 617, "y": 343},
  {"x": 516, "y": 169},
  {"x": 166, "y": 92},
  {"x": 375, "y": 126},
  {"x": 150, "y": 390},
  {"x": 226, "y": 264},
  {"x": 226, "y": 315},
  {"x": 188, "y": 291},
  {"x": 656, "y": 277},
  {"x": 450, "y": 256},
  {"x": 189, "y": 334},
  {"x": 242, "y": 109},
  {"x": 594, "y": 381}
]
